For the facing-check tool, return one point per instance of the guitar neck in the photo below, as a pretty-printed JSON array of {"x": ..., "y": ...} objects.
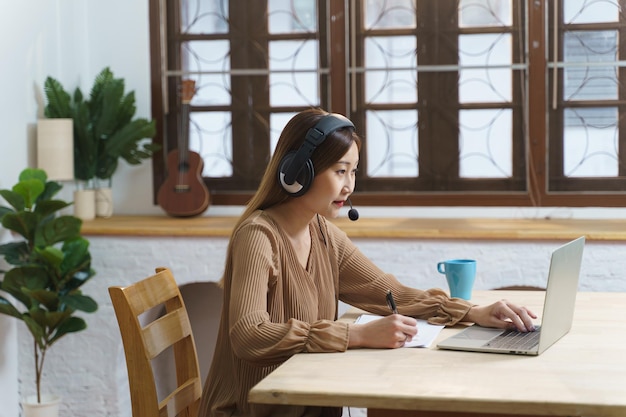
[
  {"x": 183, "y": 137},
  {"x": 189, "y": 89}
]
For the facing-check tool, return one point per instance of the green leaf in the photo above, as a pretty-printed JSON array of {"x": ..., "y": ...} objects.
[
  {"x": 59, "y": 102},
  {"x": 16, "y": 200},
  {"x": 80, "y": 302},
  {"x": 7, "y": 308},
  {"x": 5, "y": 210},
  {"x": 36, "y": 330},
  {"x": 49, "y": 299},
  {"x": 85, "y": 145},
  {"x": 126, "y": 109},
  {"x": 30, "y": 189},
  {"x": 76, "y": 252},
  {"x": 58, "y": 230},
  {"x": 22, "y": 278},
  {"x": 50, "y": 256},
  {"x": 76, "y": 265},
  {"x": 51, "y": 319},
  {"x": 83, "y": 275},
  {"x": 33, "y": 174},
  {"x": 46, "y": 208},
  {"x": 125, "y": 144},
  {"x": 50, "y": 190},
  {"x": 23, "y": 222},
  {"x": 70, "y": 325},
  {"x": 107, "y": 122},
  {"x": 15, "y": 253}
]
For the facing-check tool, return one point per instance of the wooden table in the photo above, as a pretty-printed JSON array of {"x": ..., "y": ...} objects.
[{"x": 583, "y": 374}]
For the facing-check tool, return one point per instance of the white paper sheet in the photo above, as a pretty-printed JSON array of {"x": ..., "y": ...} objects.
[{"x": 426, "y": 332}]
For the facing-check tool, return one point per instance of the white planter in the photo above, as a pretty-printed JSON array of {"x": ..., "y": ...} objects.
[
  {"x": 104, "y": 202},
  {"x": 48, "y": 407},
  {"x": 85, "y": 204}
]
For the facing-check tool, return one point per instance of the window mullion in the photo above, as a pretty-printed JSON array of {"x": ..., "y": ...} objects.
[
  {"x": 438, "y": 126},
  {"x": 537, "y": 99}
]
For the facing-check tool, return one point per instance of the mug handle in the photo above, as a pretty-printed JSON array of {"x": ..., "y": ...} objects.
[{"x": 441, "y": 268}]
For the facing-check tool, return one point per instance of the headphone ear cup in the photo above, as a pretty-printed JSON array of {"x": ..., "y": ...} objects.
[{"x": 303, "y": 180}]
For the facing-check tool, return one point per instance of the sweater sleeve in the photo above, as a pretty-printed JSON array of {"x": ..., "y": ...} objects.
[
  {"x": 363, "y": 285},
  {"x": 268, "y": 320}
]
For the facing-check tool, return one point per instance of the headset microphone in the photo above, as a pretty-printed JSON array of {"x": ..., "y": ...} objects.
[{"x": 352, "y": 213}]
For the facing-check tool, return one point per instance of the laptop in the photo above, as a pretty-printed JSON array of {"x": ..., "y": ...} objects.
[{"x": 558, "y": 312}]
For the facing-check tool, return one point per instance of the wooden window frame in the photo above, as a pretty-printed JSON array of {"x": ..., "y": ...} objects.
[{"x": 543, "y": 153}]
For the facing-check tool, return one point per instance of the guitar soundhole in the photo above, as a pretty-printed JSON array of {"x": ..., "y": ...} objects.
[{"x": 183, "y": 167}]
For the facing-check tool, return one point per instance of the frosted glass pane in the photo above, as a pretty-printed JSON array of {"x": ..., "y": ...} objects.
[
  {"x": 292, "y": 16},
  {"x": 204, "y": 17},
  {"x": 392, "y": 143},
  {"x": 586, "y": 11},
  {"x": 208, "y": 56},
  {"x": 299, "y": 87},
  {"x": 485, "y": 85},
  {"x": 388, "y": 79},
  {"x": 477, "y": 13},
  {"x": 593, "y": 82},
  {"x": 388, "y": 14},
  {"x": 485, "y": 143},
  {"x": 590, "y": 142},
  {"x": 210, "y": 135}
]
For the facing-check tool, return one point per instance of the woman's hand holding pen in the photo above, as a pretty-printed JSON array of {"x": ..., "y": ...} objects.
[{"x": 392, "y": 331}]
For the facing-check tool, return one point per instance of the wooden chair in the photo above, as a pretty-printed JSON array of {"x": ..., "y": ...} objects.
[{"x": 144, "y": 342}]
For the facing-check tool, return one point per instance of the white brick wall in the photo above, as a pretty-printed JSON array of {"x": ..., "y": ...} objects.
[{"x": 88, "y": 370}]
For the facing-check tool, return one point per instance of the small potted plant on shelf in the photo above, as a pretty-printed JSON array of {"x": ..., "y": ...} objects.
[
  {"x": 50, "y": 264},
  {"x": 104, "y": 130}
]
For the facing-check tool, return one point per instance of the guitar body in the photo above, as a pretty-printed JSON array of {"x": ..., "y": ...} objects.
[{"x": 183, "y": 194}]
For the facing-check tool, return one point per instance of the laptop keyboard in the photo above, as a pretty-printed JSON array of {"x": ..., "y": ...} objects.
[{"x": 515, "y": 340}]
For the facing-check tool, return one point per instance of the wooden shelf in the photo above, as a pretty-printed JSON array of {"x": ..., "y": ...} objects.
[{"x": 401, "y": 228}]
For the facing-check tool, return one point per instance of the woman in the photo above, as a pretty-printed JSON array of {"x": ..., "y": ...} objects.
[{"x": 287, "y": 268}]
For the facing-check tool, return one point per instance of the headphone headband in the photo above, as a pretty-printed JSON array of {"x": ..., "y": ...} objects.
[{"x": 293, "y": 164}]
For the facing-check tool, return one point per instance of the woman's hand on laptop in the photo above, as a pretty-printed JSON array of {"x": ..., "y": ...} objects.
[{"x": 502, "y": 314}]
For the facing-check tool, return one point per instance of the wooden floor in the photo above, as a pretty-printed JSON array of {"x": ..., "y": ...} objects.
[{"x": 414, "y": 228}]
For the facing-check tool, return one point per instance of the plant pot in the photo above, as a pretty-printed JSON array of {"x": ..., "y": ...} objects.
[
  {"x": 48, "y": 407},
  {"x": 104, "y": 198},
  {"x": 85, "y": 204}
]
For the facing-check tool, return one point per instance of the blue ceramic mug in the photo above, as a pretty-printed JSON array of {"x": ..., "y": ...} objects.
[{"x": 460, "y": 274}]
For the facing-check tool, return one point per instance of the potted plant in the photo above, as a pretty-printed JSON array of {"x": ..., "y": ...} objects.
[
  {"x": 104, "y": 127},
  {"x": 49, "y": 265}
]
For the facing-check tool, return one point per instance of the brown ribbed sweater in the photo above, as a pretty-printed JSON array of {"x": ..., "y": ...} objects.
[{"x": 274, "y": 308}]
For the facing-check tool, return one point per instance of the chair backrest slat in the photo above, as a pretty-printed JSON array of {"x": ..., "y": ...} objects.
[
  {"x": 165, "y": 331},
  {"x": 176, "y": 402}
]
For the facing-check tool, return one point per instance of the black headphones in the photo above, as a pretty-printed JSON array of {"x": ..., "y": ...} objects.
[{"x": 296, "y": 172}]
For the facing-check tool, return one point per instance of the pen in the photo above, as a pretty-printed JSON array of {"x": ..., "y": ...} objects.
[{"x": 391, "y": 302}]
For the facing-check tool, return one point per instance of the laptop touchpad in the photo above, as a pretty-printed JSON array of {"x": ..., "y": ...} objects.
[{"x": 478, "y": 333}]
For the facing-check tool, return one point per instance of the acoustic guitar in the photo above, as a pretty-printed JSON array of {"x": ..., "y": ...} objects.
[{"x": 184, "y": 194}]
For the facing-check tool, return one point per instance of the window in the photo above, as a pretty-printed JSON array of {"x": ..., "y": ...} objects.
[
  {"x": 587, "y": 108},
  {"x": 460, "y": 102}
]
